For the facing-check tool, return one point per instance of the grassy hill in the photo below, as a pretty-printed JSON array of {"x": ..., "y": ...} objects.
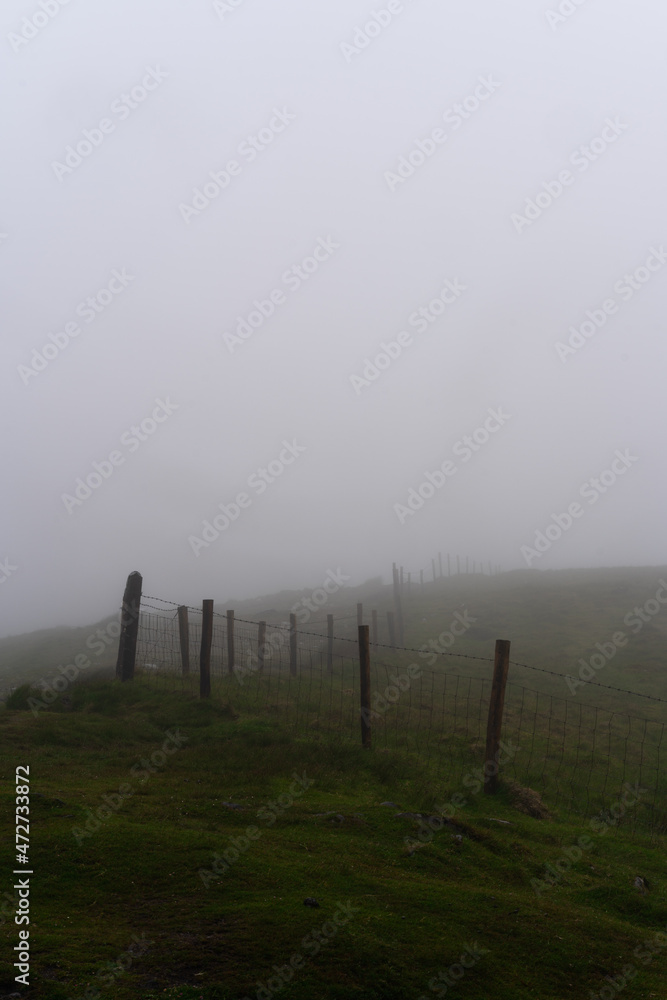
[{"x": 174, "y": 843}]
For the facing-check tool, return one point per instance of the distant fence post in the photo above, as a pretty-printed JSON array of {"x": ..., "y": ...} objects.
[
  {"x": 184, "y": 638},
  {"x": 449, "y": 572},
  {"x": 440, "y": 565},
  {"x": 433, "y": 568},
  {"x": 261, "y": 639},
  {"x": 292, "y": 644},
  {"x": 129, "y": 628},
  {"x": 458, "y": 566},
  {"x": 421, "y": 580},
  {"x": 495, "y": 721},
  {"x": 230, "y": 641},
  {"x": 360, "y": 614},
  {"x": 374, "y": 624},
  {"x": 365, "y": 686},
  {"x": 205, "y": 650},
  {"x": 392, "y": 630},
  {"x": 330, "y": 642},
  {"x": 398, "y": 607}
]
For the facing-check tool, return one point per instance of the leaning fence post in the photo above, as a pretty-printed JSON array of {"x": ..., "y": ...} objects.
[
  {"x": 330, "y": 643},
  {"x": 184, "y": 638},
  {"x": 495, "y": 721},
  {"x": 365, "y": 686},
  {"x": 261, "y": 639},
  {"x": 129, "y": 628},
  {"x": 392, "y": 630},
  {"x": 292, "y": 644},
  {"x": 205, "y": 650},
  {"x": 230, "y": 641}
]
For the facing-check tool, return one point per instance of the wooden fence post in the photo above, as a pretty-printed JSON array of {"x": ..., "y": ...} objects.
[
  {"x": 440, "y": 565},
  {"x": 330, "y": 642},
  {"x": 421, "y": 581},
  {"x": 392, "y": 630},
  {"x": 184, "y": 638},
  {"x": 205, "y": 650},
  {"x": 398, "y": 607},
  {"x": 495, "y": 721},
  {"x": 433, "y": 568},
  {"x": 374, "y": 622},
  {"x": 292, "y": 644},
  {"x": 230, "y": 641},
  {"x": 129, "y": 628},
  {"x": 360, "y": 614},
  {"x": 261, "y": 639},
  {"x": 401, "y": 581},
  {"x": 365, "y": 686}
]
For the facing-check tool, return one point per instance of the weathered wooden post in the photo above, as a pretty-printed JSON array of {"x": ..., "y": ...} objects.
[
  {"x": 330, "y": 643},
  {"x": 261, "y": 639},
  {"x": 292, "y": 644},
  {"x": 374, "y": 624},
  {"x": 495, "y": 721},
  {"x": 184, "y": 638},
  {"x": 365, "y": 686},
  {"x": 129, "y": 628},
  {"x": 392, "y": 630},
  {"x": 205, "y": 649},
  {"x": 230, "y": 641}
]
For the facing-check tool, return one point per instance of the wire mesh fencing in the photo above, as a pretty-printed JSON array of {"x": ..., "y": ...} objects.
[{"x": 580, "y": 757}]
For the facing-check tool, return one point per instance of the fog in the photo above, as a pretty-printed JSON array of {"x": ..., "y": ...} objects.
[{"x": 406, "y": 257}]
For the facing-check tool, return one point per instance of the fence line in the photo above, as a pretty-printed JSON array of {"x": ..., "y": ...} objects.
[{"x": 577, "y": 755}]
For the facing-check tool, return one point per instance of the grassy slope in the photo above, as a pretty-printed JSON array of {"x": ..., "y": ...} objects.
[{"x": 138, "y": 874}]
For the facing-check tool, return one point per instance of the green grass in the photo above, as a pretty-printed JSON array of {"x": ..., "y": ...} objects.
[{"x": 138, "y": 875}]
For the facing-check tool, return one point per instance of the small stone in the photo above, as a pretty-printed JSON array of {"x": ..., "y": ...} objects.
[{"x": 309, "y": 901}]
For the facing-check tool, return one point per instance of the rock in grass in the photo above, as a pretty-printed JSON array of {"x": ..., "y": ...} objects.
[{"x": 309, "y": 901}]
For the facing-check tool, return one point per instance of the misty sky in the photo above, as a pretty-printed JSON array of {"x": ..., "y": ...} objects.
[{"x": 216, "y": 217}]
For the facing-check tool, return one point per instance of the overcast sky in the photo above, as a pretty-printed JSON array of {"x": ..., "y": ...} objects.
[{"x": 329, "y": 241}]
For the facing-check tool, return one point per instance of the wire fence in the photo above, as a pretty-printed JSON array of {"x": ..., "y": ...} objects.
[{"x": 580, "y": 757}]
